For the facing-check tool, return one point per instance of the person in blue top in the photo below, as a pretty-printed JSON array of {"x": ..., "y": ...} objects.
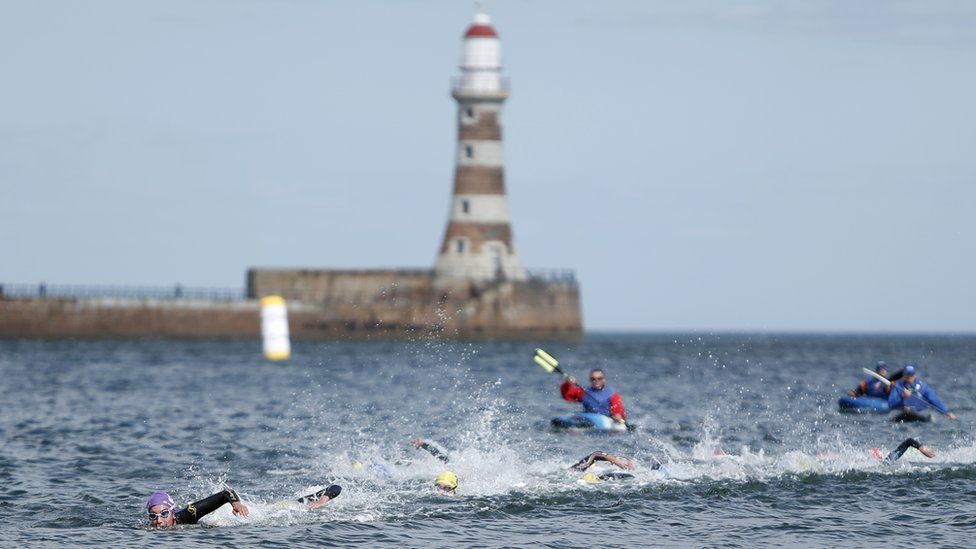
[
  {"x": 912, "y": 394},
  {"x": 872, "y": 386},
  {"x": 598, "y": 398}
]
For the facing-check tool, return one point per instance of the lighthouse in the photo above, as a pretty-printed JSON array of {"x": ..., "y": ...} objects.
[{"x": 478, "y": 243}]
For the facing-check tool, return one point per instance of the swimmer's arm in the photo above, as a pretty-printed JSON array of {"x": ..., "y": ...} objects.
[
  {"x": 321, "y": 497},
  {"x": 619, "y": 462},
  {"x": 588, "y": 461},
  {"x": 199, "y": 509},
  {"x": 431, "y": 449}
]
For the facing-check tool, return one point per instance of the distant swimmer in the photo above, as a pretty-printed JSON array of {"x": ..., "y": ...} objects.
[
  {"x": 591, "y": 459},
  {"x": 162, "y": 511},
  {"x": 431, "y": 448},
  {"x": 901, "y": 449},
  {"x": 598, "y": 398},
  {"x": 872, "y": 386},
  {"x": 626, "y": 464},
  {"x": 446, "y": 482},
  {"x": 911, "y": 394}
]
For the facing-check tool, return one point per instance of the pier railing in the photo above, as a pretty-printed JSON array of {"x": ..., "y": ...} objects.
[
  {"x": 552, "y": 275},
  {"x": 76, "y": 291}
]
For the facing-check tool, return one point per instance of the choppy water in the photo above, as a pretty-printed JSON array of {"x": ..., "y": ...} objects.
[{"x": 89, "y": 429}]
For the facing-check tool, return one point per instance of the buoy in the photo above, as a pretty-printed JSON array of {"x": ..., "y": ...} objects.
[{"x": 274, "y": 328}]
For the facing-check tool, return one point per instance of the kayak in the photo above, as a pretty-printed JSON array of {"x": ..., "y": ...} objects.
[
  {"x": 585, "y": 420},
  {"x": 909, "y": 415},
  {"x": 850, "y": 404}
]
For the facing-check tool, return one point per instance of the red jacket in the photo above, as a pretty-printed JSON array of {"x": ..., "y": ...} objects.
[{"x": 575, "y": 393}]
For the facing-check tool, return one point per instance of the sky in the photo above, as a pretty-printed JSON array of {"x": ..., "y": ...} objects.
[{"x": 768, "y": 165}]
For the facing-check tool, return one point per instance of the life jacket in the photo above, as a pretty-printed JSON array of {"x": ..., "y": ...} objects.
[
  {"x": 598, "y": 402},
  {"x": 915, "y": 401},
  {"x": 875, "y": 388}
]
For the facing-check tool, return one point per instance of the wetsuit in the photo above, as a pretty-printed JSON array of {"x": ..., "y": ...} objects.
[
  {"x": 588, "y": 461},
  {"x": 434, "y": 451},
  {"x": 606, "y": 401},
  {"x": 901, "y": 449},
  {"x": 332, "y": 491},
  {"x": 192, "y": 513}
]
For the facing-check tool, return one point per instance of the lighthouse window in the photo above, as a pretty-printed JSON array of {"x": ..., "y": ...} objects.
[
  {"x": 465, "y": 206},
  {"x": 470, "y": 112},
  {"x": 460, "y": 246},
  {"x": 469, "y": 151}
]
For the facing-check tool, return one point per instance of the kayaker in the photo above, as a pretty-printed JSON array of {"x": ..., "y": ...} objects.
[
  {"x": 598, "y": 398},
  {"x": 162, "y": 511},
  {"x": 872, "y": 386},
  {"x": 912, "y": 394}
]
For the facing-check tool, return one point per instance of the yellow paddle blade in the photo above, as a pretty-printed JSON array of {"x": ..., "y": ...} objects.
[
  {"x": 545, "y": 365},
  {"x": 547, "y": 357}
]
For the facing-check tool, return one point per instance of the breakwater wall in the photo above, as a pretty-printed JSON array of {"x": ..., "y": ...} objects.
[{"x": 322, "y": 305}]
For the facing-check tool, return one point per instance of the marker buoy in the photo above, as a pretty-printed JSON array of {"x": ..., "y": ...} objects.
[{"x": 274, "y": 328}]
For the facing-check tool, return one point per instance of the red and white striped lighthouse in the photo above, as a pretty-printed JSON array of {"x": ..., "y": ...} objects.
[{"x": 478, "y": 243}]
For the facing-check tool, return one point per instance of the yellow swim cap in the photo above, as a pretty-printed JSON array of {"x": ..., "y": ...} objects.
[
  {"x": 447, "y": 479},
  {"x": 590, "y": 477},
  {"x": 357, "y": 466}
]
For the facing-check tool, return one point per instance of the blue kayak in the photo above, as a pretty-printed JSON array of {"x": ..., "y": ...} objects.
[
  {"x": 863, "y": 404},
  {"x": 585, "y": 420}
]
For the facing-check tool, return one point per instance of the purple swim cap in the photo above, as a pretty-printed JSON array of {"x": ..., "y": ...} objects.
[{"x": 159, "y": 498}]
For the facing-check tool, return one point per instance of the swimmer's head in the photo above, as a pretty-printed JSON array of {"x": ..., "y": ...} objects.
[
  {"x": 446, "y": 483},
  {"x": 590, "y": 477},
  {"x": 160, "y": 509}
]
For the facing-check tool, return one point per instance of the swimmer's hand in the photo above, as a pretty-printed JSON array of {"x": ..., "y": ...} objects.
[{"x": 239, "y": 509}]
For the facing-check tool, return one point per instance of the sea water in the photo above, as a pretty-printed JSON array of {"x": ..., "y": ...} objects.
[{"x": 89, "y": 429}]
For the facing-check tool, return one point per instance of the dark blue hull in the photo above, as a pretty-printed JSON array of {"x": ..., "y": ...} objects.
[{"x": 863, "y": 404}]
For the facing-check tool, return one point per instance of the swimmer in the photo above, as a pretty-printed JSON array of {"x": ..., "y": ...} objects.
[
  {"x": 162, "y": 511},
  {"x": 901, "y": 449},
  {"x": 446, "y": 483},
  {"x": 623, "y": 463},
  {"x": 431, "y": 448}
]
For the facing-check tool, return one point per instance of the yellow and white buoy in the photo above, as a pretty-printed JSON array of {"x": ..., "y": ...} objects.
[{"x": 274, "y": 328}]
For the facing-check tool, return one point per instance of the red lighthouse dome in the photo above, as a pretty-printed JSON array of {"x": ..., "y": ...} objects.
[{"x": 481, "y": 28}]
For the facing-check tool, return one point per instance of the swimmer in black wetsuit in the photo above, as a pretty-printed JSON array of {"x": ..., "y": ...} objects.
[
  {"x": 162, "y": 514},
  {"x": 430, "y": 448},
  {"x": 447, "y": 481},
  {"x": 902, "y": 448},
  {"x": 623, "y": 463}
]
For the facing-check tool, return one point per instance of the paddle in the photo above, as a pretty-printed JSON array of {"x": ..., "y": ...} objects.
[
  {"x": 551, "y": 365},
  {"x": 888, "y": 383}
]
